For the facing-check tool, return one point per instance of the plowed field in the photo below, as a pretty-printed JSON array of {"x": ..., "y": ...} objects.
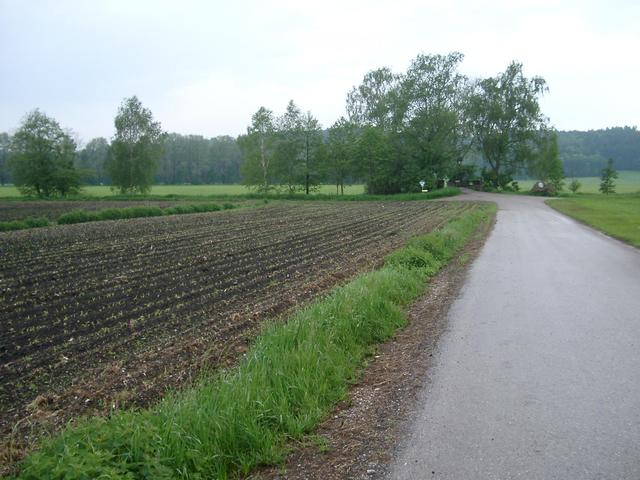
[{"x": 103, "y": 314}]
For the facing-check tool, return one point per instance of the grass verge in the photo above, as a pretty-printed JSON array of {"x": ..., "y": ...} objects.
[
  {"x": 615, "y": 215},
  {"x": 288, "y": 382}
]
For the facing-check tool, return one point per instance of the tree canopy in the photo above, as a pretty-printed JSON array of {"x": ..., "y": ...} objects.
[
  {"x": 91, "y": 160},
  {"x": 41, "y": 158},
  {"x": 505, "y": 120},
  {"x": 420, "y": 118},
  {"x": 545, "y": 164},
  {"x": 135, "y": 149},
  {"x": 258, "y": 147}
]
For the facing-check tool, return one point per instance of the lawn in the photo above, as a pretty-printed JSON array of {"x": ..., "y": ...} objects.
[
  {"x": 628, "y": 182},
  {"x": 186, "y": 190},
  {"x": 615, "y": 215}
]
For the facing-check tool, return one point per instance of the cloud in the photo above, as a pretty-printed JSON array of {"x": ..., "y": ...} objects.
[{"x": 205, "y": 67}]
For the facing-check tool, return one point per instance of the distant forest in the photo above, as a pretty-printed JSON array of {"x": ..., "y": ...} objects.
[
  {"x": 187, "y": 159},
  {"x": 585, "y": 154},
  {"x": 193, "y": 159}
]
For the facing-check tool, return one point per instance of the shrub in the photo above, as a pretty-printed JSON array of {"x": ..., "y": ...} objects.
[
  {"x": 574, "y": 186},
  {"x": 78, "y": 216},
  {"x": 30, "y": 222}
]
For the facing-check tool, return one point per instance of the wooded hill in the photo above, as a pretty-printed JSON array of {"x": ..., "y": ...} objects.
[{"x": 585, "y": 154}]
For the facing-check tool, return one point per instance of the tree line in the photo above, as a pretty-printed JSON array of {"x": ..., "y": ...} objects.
[
  {"x": 405, "y": 128},
  {"x": 185, "y": 159},
  {"x": 42, "y": 159},
  {"x": 428, "y": 124},
  {"x": 585, "y": 154}
]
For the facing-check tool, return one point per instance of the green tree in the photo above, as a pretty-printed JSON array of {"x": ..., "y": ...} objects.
[
  {"x": 341, "y": 148},
  {"x": 574, "y": 186},
  {"x": 225, "y": 157},
  {"x": 258, "y": 147},
  {"x": 92, "y": 159},
  {"x": 607, "y": 178},
  {"x": 505, "y": 119},
  {"x": 313, "y": 151},
  {"x": 41, "y": 158},
  {"x": 374, "y": 102},
  {"x": 135, "y": 149},
  {"x": 432, "y": 101},
  {"x": 545, "y": 164},
  {"x": 5, "y": 141},
  {"x": 288, "y": 156},
  {"x": 375, "y": 158},
  {"x": 421, "y": 115}
]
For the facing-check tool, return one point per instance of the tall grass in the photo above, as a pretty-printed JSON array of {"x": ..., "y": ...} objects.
[{"x": 289, "y": 381}]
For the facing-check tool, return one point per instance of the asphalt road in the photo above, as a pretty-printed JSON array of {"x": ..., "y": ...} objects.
[{"x": 538, "y": 375}]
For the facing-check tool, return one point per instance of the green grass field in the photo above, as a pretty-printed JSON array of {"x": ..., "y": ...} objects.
[
  {"x": 627, "y": 182},
  {"x": 615, "y": 215},
  {"x": 187, "y": 190}
]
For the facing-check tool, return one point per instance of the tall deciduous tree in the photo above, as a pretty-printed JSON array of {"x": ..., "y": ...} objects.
[
  {"x": 374, "y": 102},
  {"x": 505, "y": 118},
  {"x": 41, "y": 158},
  {"x": 341, "y": 150},
  {"x": 312, "y": 151},
  {"x": 288, "y": 164},
  {"x": 258, "y": 148},
  {"x": 375, "y": 158},
  {"x": 433, "y": 97},
  {"x": 135, "y": 149},
  {"x": 421, "y": 115}
]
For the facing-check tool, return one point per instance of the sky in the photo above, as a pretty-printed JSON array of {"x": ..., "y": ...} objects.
[{"x": 204, "y": 67}]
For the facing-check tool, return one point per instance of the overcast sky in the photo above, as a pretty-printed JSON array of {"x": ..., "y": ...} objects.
[{"x": 204, "y": 67}]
